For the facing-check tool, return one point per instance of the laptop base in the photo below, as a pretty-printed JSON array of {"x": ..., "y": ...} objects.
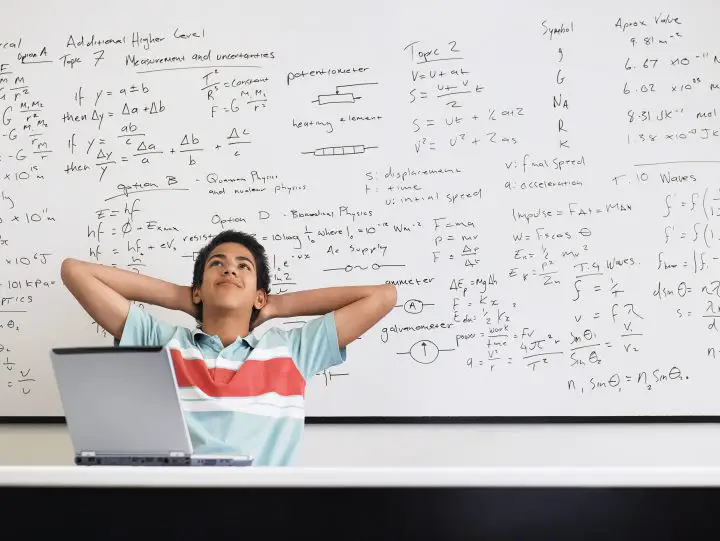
[{"x": 161, "y": 461}]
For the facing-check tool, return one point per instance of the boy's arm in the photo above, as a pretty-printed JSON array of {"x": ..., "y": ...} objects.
[
  {"x": 357, "y": 308},
  {"x": 105, "y": 292}
]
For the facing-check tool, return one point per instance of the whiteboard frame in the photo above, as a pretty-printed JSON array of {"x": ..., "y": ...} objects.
[{"x": 430, "y": 420}]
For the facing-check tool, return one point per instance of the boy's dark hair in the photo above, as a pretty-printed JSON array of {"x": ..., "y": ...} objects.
[{"x": 238, "y": 237}]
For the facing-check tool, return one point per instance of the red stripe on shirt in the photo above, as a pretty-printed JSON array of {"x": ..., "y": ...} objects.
[{"x": 253, "y": 378}]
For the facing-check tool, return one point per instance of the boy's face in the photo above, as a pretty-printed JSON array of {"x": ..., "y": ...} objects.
[{"x": 229, "y": 281}]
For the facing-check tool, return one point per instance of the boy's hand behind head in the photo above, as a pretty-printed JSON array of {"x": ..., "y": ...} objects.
[{"x": 267, "y": 312}]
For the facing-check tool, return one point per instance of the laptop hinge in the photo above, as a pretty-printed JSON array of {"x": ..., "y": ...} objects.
[{"x": 173, "y": 454}]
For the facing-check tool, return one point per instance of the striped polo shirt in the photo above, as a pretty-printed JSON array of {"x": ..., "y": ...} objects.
[{"x": 247, "y": 398}]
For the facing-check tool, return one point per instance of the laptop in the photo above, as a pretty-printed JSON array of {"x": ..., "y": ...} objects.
[{"x": 122, "y": 408}]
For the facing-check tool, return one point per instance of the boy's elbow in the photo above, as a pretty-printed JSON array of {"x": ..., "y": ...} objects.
[
  {"x": 389, "y": 296},
  {"x": 66, "y": 268},
  {"x": 69, "y": 269}
]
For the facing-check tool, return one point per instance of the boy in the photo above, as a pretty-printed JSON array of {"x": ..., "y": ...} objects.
[{"x": 240, "y": 394}]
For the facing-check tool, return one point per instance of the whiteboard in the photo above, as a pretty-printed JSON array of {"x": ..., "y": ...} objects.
[{"x": 541, "y": 180}]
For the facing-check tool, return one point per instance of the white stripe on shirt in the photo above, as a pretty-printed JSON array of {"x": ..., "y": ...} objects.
[{"x": 270, "y": 404}]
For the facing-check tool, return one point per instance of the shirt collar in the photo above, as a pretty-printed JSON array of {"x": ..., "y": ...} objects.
[{"x": 251, "y": 340}]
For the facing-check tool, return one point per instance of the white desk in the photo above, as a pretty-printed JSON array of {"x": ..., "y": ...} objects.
[
  {"x": 111, "y": 476},
  {"x": 363, "y": 503}
]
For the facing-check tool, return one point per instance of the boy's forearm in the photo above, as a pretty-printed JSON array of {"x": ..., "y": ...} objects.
[
  {"x": 315, "y": 302},
  {"x": 141, "y": 288}
]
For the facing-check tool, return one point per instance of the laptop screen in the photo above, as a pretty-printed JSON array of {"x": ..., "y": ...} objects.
[{"x": 121, "y": 400}]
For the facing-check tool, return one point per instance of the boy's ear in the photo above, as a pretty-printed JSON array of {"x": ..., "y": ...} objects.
[
  {"x": 196, "y": 298},
  {"x": 260, "y": 299}
]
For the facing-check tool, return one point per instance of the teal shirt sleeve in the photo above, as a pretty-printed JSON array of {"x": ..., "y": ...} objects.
[
  {"x": 144, "y": 329},
  {"x": 314, "y": 346}
]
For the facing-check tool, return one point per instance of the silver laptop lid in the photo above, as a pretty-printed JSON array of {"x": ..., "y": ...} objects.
[{"x": 121, "y": 400}]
